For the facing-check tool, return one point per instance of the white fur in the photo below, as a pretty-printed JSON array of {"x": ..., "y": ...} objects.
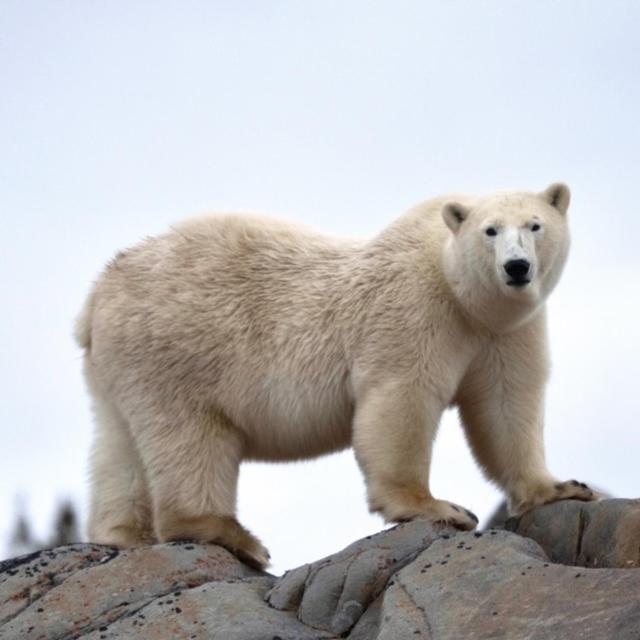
[{"x": 236, "y": 337}]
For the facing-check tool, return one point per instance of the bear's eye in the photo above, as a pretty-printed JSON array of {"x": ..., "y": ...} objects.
[
  {"x": 535, "y": 227},
  {"x": 491, "y": 231}
]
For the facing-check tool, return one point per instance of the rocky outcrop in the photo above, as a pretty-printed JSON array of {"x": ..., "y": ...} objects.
[
  {"x": 502, "y": 586},
  {"x": 333, "y": 593},
  {"x": 562, "y": 571},
  {"x": 585, "y": 534}
]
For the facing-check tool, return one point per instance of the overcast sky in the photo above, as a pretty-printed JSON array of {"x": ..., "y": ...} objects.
[{"x": 119, "y": 118}]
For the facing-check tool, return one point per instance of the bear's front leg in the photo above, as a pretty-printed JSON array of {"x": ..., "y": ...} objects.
[
  {"x": 501, "y": 402},
  {"x": 393, "y": 432},
  {"x": 529, "y": 495}
]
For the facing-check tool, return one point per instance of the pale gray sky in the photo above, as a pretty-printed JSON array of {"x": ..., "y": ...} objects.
[{"x": 119, "y": 118}]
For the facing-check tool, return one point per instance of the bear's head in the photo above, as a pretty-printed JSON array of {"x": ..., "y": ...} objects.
[{"x": 506, "y": 252}]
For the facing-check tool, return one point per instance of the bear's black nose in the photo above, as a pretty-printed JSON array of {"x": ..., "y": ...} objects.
[{"x": 517, "y": 269}]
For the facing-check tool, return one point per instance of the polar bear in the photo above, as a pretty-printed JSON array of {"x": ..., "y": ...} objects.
[{"x": 235, "y": 337}]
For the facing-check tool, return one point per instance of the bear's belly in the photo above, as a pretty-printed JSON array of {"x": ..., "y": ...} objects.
[{"x": 294, "y": 419}]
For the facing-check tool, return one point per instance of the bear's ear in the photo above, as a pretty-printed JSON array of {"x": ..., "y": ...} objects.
[
  {"x": 558, "y": 196},
  {"x": 454, "y": 214}
]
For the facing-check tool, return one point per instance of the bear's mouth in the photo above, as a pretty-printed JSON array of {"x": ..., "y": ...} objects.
[{"x": 519, "y": 283}]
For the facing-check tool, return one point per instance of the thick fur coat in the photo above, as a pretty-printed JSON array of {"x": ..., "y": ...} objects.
[{"x": 235, "y": 337}]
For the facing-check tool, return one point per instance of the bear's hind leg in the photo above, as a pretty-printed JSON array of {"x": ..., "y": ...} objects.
[
  {"x": 193, "y": 464},
  {"x": 120, "y": 512}
]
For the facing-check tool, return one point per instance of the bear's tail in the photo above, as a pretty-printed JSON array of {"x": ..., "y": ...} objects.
[{"x": 82, "y": 331}]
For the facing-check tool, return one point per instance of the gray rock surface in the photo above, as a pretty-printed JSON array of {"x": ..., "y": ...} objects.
[
  {"x": 586, "y": 534},
  {"x": 503, "y": 586},
  {"x": 333, "y": 593},
  {"x": 410, "y": 581},
  {"x": 70, "y": 591},
  {"x": 228, "y": 610}
]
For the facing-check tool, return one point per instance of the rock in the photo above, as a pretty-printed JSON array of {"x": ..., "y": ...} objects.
[
  {"x": 501, "y": 585},
  {"x": 333, "y": 593},
  {"x": 26, "y": 579},
  {"x": 230, "y": 610},
  {"x": 410, "y": 581},
  {"x": 586, "y": 534},
  {"x": 73, "y": 590}
]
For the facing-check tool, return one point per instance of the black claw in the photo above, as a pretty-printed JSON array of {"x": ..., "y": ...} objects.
[{"x": 472, "y": 515}]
